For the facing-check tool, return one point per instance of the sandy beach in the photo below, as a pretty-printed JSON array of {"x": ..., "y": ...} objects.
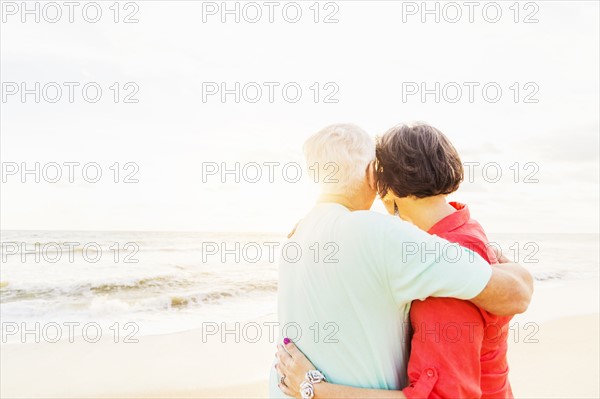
[{"x": 554, "y": 356}]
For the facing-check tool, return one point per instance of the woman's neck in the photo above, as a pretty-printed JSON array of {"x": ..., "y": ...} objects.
[{"x": 426, "y": 212}]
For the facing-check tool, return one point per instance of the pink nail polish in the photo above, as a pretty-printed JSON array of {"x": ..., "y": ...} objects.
[{"x": 286, "y": 341}]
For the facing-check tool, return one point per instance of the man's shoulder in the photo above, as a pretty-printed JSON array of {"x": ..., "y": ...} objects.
[
  {"x": 380, "y": 230},
  {"x": 367, "y": 217},
  {"x": 370, "y": 222}
]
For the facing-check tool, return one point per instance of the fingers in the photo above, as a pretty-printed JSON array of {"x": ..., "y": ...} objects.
[
  {"x": 280, "y": 370},
  {"x": 291, "y": 348},
  {"x": 282, "y": 384},
  {"x": 286, "y": 390},
  {"x": 285, "y": 366},
  {"x": 282, "y": 355},
  {"x": 284, "y": 362},
  {"x": 501, "y": 258}
]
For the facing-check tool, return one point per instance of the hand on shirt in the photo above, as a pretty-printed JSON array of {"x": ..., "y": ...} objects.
[{"x": 292, "y": 364}]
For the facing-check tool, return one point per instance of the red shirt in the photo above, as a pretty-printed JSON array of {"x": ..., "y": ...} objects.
[{"x": 458, "y": 350}]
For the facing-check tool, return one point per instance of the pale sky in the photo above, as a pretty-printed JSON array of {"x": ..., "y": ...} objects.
[{"x": 367, "y": 55}]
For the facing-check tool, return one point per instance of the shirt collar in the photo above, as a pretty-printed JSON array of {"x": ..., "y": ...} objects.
[{"x": 452, "y": 221}]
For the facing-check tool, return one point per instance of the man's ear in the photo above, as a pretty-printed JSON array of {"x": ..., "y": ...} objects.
[{"x": 371, "y": 176}]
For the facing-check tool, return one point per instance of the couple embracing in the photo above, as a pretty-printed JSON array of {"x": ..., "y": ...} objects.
[{"x": 414, "y": 304}]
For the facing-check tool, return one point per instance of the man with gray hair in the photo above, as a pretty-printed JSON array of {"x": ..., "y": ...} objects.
[{"x": 344, "y": 300}]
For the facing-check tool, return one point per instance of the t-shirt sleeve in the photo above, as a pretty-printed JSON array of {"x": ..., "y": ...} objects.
[{"x": 420, "y": 265}]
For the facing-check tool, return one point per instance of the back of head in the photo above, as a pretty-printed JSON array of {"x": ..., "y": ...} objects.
[
  {"x": 337, "y": 157},
  {"x": 417, "y": 161}
]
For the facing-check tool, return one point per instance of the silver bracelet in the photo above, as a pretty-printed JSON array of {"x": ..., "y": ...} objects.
[{"x": 307, "y": 389}]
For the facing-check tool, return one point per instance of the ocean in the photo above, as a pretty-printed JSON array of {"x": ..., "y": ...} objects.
[{"x": 166, "y": 282}]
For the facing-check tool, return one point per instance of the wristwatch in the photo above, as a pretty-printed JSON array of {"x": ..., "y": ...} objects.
[{"x": 307, "y": 389}]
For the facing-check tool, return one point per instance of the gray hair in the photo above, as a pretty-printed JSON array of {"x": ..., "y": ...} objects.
[{"x": 337, "y": 157}]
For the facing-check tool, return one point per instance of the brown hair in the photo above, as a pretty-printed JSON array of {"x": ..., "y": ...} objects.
[{"x": 417, "y": 160}]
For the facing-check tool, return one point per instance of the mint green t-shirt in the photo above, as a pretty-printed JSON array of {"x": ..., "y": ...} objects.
[{"x": 346, "y": 281}]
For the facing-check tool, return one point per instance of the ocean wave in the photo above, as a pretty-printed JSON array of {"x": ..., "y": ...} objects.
[
  {"x": 159, "y": 292},
  {"x": 549, "y": 275},
  {"x": 219, "y": 296},
  {"x": 141, "y": 284},
  {"x": 122, "y": 286}
]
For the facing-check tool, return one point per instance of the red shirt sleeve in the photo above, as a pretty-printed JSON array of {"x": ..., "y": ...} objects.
[
  {"x": 479, "y": 245},
  {"x": 447, "y": 338}
]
